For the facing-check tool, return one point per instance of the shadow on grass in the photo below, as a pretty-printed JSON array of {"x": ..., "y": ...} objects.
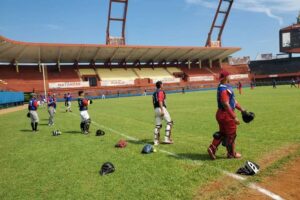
[
  {"x": 139, "y": 142},
  {"x": 191, "y": 156},
  {"x": 43, "y": 124},
  {"x": 73, "y": 132},
  {"x": 26, "y": 130}
]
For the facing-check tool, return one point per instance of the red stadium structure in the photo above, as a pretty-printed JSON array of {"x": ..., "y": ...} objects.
[
  {"x": 120, "y": 40},
  {"x": 116, "y": 67},
  {"x": 222, "y": 13}
]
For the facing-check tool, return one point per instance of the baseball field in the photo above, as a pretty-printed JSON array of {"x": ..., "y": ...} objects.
[{"x": 41, "y": 166}]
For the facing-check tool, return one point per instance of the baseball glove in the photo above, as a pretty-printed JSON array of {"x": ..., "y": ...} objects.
[
  {"x": 248, "y": 116},
  {"x": 28, "y": 115}
]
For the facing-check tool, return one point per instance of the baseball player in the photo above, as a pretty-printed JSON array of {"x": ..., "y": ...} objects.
[
  {"x": 252, "y": 85},
  {"x": 274, "y": 84},
  {"x": 240, "y": 87},
  {"x": 83, "y": 104},
  {"x": 51, "y": 101},
  {"x": 32, "y": 108},
  {"x": 68, "y": 102},
  {"x": 226, "y": 118},
  {"x": 161, "y": 113},
  {"x": 293, "y": 83}
]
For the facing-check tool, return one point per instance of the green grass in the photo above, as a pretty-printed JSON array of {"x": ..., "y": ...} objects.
[{"x": 40, "y": 166}]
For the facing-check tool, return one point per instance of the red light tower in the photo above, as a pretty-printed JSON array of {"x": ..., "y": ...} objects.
[
  {"x": 222, "y": 11},
  {"x": 116, "y": 40}
]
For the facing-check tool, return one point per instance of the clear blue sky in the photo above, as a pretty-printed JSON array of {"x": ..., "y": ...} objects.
[{"x": 252, "y": 25}]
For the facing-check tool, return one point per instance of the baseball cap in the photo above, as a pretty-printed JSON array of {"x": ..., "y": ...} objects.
[{"x": 223, "y": 75}]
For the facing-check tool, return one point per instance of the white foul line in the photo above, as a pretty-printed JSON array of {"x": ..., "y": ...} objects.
[{"x": 234, "y": 176}]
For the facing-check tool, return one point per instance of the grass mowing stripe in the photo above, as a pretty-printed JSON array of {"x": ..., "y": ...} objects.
[{"x": 231, "y": 175}]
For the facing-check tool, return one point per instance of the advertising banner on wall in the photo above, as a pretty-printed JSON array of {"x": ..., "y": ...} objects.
[
  {"x": 69, "y": 84},
  {"x": 116, "y": 82},
  {"x": 238, "y": 76},
  {"x": 167, "y": 80},
  {"x": 201, "y": 78}
]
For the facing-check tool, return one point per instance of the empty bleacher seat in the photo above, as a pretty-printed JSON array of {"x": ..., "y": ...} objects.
[
  {"x": 174, "y": 70},
  {"x": 86, "y": 72},
  {"x": 117, "y": 74},
  {"x": 155, "y": 73}
]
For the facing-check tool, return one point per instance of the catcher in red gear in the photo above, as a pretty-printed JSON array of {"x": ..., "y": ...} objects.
[{"x": 226, "y": 118}]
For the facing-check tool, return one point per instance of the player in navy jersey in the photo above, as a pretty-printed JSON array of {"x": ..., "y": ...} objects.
[
  {"x": 51, "y": 102},
  {"x": 161, "y": 113},
  {"x": 68, "y": 100},
  {"x": 32, "y": 108},
  {"x": 83, "y": 104},
  {"x": 226, "y": 118}
]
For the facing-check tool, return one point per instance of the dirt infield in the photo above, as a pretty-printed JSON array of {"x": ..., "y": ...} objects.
[
  {"x": 13, "y": 109},
  {"x": 284, "y": 182}
]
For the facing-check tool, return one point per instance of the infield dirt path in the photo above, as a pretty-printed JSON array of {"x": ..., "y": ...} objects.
[
  {"x": 285, "y": 182},
  {"x": 13, "y": 109}
]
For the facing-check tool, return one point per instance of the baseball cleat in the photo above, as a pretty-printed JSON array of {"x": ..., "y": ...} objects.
[
  {"x": 168, "y": 141},
  {"x": 211, "y": 152},
  {"x": 236, "y": 155}
]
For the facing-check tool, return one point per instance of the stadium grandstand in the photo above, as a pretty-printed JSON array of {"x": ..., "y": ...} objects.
[
  {"x": 285, "y": 69},
  {"x": 117, "y": 68}
]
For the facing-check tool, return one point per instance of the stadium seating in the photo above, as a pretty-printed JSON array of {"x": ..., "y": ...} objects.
[
  {"x": 66, "y": 74},
  {"x": 151, "y": 73},
  {"x": 195, "y": 71},
  {"x": 173, "y": 70},
  {"x": 278, "y": 66},
  {"x": 27, "y": 79},
  {"x": 117, "y": 74},
  {"x": 87, "y": 72},
  {"x": 236, "y": 69}
]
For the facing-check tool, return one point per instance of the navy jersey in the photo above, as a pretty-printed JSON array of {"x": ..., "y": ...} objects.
[
  {"x": 33, "y": 104},
  {"x": 69, "y": 98},
  {"x": 82, "y": 103},
  {"x": 51, "y": 102},
  {"x": 229, "y": 90},
  {"x": 159, "y": 95}
]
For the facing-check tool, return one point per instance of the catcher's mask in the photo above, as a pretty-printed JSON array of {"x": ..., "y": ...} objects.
[
  {"x": 107, "y": 168},
  {"x": 250, "y": 168},
  {"x": 99, "y": 132},
  {"x": 56, "y": 133},
  {"x": 121, "y": 144},
  {"x": 147, "y": 149}
]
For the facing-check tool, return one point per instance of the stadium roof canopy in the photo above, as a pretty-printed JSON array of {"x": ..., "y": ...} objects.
[{"x": 28, "y": 52}]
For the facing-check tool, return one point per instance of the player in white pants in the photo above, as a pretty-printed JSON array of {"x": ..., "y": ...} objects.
[
  {"x": 161, "y": 113},
  {"x": 83, "y": 104}
]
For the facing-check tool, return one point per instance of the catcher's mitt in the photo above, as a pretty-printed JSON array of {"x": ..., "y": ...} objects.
[{"x": 248, "y": 116}]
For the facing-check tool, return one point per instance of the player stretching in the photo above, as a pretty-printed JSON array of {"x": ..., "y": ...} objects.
[
  {"x": 68, "y": 100},
  {"x": 83, "y": 104},
  {"x": 51, "y": 101},
  {"x": 159, "y": 97},
  {"x": 32, "y": 108},
  {"x": 226, "y": 118}
]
